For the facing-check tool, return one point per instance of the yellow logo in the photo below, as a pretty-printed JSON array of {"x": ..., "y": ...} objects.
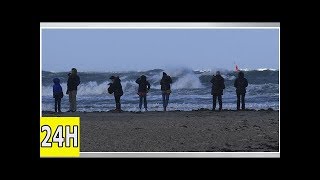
[{"x": 59, "y": 136}]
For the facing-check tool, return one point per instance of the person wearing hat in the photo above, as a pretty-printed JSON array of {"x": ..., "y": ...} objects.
[
  {"x": 240, "y": 84},
  {"x": 116, "y": 88},
  {"x": 144, "y": 87},
  {"x": 166, "y": 89},
  {"x": 72, "y": 87},
  {"x": 57, "y": 94},
  {"x": 217, "y": 90}
]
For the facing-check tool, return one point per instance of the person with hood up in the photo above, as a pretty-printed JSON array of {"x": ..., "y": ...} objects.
[
  {"x": 116, "y": 88},
  {"x": 57, "y": 95},
  {"x": 240, "y": 84},
  {"x": 144, "y": 87},
  {"x": 217, "y": 90},
  {"x": 72, "y": 85},
  {"x": 166, "y": 89}
]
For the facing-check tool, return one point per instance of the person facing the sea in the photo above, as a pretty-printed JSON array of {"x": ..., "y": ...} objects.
[
  {"x": 240, "y": 84},
  {"x": 144, "y": 87},
  {"x": 217, "y": 90},
  {"x": 166, "y": 89},
  {"x": 57, "y": 94},
  {"x": 72, "y": 86},
  {"x": 116, "y": 88}
]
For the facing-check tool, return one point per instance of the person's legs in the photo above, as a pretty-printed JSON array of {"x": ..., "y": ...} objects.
[
  {"x": 59, "y": 105},
  {"x": 164, "y": 101},
  {"x": 242, "y": 101},
  {"x": 70, "y": 101},
  {"x": 220, "y": 102},
  {"x": 140, "y": 102},
  {"x": 238, "y": 101},
  {"x": 145, "y": 102},
  {"x": 167, "y": 99},
  {"x": 73, "y": 100},
  {"x": 214, "y": 99},
  {"x": 118, "y": 105},
  {"x": 55, "y": 104}
]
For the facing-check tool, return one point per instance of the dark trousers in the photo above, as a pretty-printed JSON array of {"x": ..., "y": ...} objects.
[
  {"x": 57, "y": 104},
  {"x": 144, "y": 98},
  {"x": 215, "y": 101},
  {"x": 242, "y": 101},
  {"x": 165, "y": 100},
  {"x": 118, "y": 105}
]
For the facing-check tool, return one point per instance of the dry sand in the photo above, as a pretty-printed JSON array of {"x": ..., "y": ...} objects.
[{"x": 193, "y": 131}]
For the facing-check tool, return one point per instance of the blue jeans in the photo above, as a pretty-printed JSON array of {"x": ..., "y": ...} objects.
[
  {"x": 165, "y": 99},
  {"x": 144, "y": 101}
]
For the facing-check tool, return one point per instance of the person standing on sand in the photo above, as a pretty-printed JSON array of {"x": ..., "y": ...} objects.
[
  {"x": 166, "y": 89},
  {"x": 217, "y": 90},
  {"x": 240, "y": 84},
  {"x": 57, "y": 95},
  {"x": 144, "y": 87},
  {"x": 116, "y": 88},
  {"x": 72, "y": 87}
]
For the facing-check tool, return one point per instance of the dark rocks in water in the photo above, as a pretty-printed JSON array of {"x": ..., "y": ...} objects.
[
  {"x": 184, "y": 126},
  {"x": 270, "y": 109}
]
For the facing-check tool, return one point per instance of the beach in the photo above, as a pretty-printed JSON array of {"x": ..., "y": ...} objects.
[{"x": 178, "y": 131}]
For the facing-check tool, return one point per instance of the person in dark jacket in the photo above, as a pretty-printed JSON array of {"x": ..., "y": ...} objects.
[
  {"x": 217, "y": 90},
  {"x": 116, "y": 88},
  {"x": 166, "y": 89},
  {"x": 240, "y": 84},
  {"x": 57, "y": 95},
  {"x": 72, "y": 87},
  {"x": 144, "y": 87}
]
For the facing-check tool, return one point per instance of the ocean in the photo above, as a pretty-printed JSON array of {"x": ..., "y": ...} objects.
[{"x": 191, "y": 90}]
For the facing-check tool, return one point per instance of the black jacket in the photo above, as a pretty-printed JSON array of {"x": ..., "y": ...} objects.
[
  {"x": 165, "y": 83},
  {"x": 73, "y": 82},
  {"x": 217, "y": 85},
  {"x": 240, "y": 84},
  {"x": 143, "y": 85},
  {"x": 115, "y": 87}
]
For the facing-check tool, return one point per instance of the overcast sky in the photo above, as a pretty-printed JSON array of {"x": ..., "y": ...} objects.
[{"x": 146, "y": 49}]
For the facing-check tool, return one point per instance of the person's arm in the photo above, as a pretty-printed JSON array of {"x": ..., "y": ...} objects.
[
  {"x": 78, "y": 80},
  {"x": 246, "y": 82},
  {"x": 138, "y": 81},
  {"x": 111, "y": 88},
  {"x": 170, "y": 80},
  {"x": 148, "y": 85},
  {"x": 61, "y": 91},
  {"x": 223, "y": 85},
  {"x": 53, "y": 91},
  {"x": 235, "y": 83},
  {"x": 212, "y": 80}
]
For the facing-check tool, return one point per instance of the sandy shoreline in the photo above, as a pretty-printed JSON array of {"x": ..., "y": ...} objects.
[{"x": 178, "y": 131}]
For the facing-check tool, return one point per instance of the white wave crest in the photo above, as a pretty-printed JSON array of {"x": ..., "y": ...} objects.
[{"x": 187, "y": 81}]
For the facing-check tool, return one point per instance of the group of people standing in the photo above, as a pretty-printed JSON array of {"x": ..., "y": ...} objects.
[
  {"x": 143, "y": 89},
  {"x": 72, "y": 87},
  {"x": 241, "y": 83},
  {"x": 115, "y": 88}
]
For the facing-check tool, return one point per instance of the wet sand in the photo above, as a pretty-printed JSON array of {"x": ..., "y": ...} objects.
[{"x": 178, "y": 131}]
